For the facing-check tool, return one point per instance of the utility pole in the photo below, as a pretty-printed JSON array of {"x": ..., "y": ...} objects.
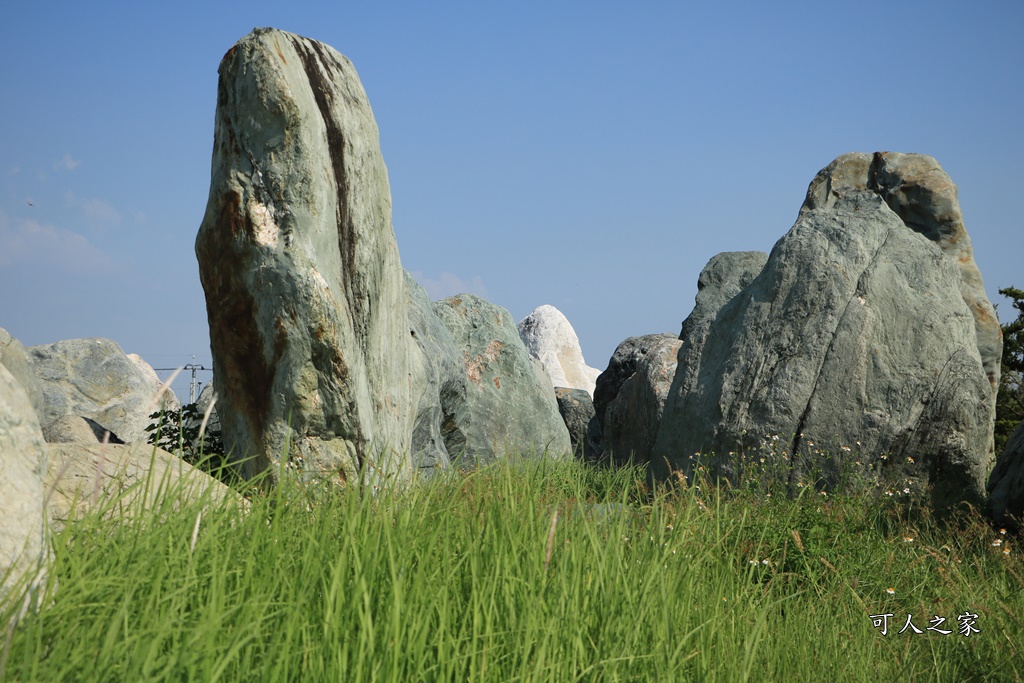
[{"x": 193, "y": 385}]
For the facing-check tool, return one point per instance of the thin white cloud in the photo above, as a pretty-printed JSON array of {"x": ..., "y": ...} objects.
[
  {"x": 25, "y": 241},
  {"x": 96, "y": 211},
  {"x": 448, "y": 284},
  {"x": 14, "y": 170},
  {"x": 67, "y": 163}
]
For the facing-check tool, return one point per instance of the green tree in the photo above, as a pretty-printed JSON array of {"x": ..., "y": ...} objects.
[
  {"x": 1010, "y": 399},
  {"x": 177, "y": 431}
]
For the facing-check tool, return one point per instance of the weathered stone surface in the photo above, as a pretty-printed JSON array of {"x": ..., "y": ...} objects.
[
  {"x": 438, "y": 363},
  {"x": 864, "y": 326},
  {"x": 577, "y": 410},
  {"x": 621, "y": 367},
  {"x": 23, "y": 547},
  {"x": 136, "y": 477},
  {"x": 632, "y": 418},
  {"x": 1006, "y": 485},
  {"x": 73, "y": 429},
  {"x": 724, "y": 276},
  {"x": 305, "y": 293},
  {"x": 550, "y": 338},
  {"x": 15, "y": 357},
  {"x": 94, "y": 378},
  {"x": 916, "y": 188},
  {"x": 508, "y": 406}
]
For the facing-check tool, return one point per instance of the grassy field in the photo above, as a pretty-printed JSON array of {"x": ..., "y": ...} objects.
[{"x": 528, "y": 572}]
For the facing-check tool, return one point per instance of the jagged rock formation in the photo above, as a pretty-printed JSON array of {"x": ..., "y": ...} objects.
[
  {"x": 23, "y": 547},
  {"x": 867, "y": 324},
  {"x": 305, "y": 293},
  {"x": 508, "y": 406},
  {"x": 95, "y": 379},
  {"x": 550, "y": 338}
]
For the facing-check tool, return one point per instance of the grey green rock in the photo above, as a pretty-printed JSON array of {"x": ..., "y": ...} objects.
[
  {"x": 866, "y": 325},
  {"x": 306, "y": 298},
  {"x": 507, "y": 405}
]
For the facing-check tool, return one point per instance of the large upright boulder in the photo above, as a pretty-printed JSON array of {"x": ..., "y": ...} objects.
[
  {"x": 95, "y": 379},
  {"x": 23, "y": 547},
  {"x": 550, "y": 339},
  {"x": 508, "y": 405},
  {"x": 868, "y": 325},
  {"x": 305, "y": 294}
]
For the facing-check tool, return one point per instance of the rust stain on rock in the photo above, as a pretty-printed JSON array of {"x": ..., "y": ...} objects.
[
  {"x": 497, "y": 382},
  {"x": 493, "y": 350},
  {"x": 227, "y": 56},
  {"x": 247, "y": 355}
]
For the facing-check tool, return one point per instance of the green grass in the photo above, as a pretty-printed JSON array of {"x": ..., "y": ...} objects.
[{"x": 475, "y": 578}]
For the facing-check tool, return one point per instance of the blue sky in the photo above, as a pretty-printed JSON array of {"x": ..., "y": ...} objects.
[{"x": 588, "y": 155}]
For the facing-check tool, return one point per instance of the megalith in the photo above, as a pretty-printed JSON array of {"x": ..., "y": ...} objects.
[
  {"x": 305, "y": 294},
  {"x": 866, "y": 340}
]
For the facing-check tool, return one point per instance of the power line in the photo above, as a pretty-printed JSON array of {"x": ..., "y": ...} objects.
[{"x": 192, "y": 383}]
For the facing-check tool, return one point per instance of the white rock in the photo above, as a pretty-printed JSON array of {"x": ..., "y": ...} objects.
[{"x": 549, "y": 338}]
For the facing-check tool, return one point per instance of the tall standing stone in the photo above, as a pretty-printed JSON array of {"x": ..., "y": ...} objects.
[
  {"x": 868, "y": 328},
  {"x": 305, "y": 293}
]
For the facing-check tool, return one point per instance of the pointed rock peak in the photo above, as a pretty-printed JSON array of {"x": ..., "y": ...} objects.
[{"x": 924, "y": 197}]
